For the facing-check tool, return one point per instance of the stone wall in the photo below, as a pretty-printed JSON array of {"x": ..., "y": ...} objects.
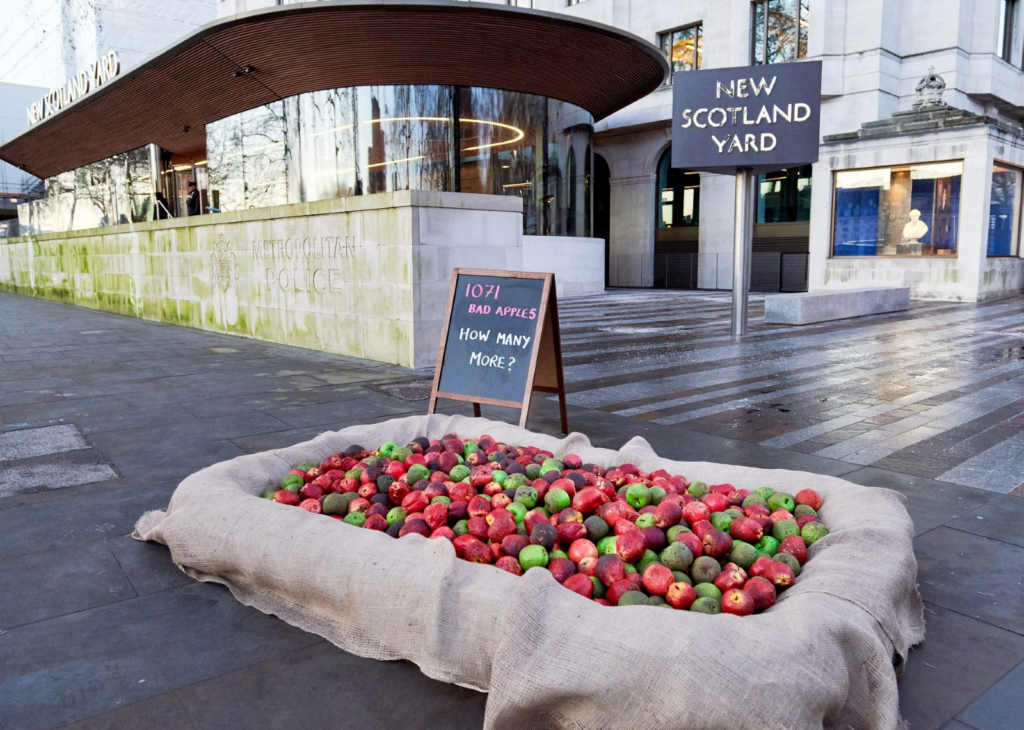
[{"x": 363, "y": 276}]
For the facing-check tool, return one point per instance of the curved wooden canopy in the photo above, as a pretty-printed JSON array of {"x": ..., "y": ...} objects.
[{"x": 299, "y": 48}]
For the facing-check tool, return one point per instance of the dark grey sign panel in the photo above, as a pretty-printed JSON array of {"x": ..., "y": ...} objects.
[
  {"x": 760, "y": 117},
  {"x": 491, "y": 337}
]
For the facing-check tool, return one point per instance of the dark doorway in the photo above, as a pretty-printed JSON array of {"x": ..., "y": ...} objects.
[{"x": 603, "y": 209}]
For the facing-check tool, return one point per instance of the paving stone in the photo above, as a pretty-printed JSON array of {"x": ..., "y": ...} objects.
[
  {"x": 335, "y": 690},
  {"x": 57, "y": 582},
  {"x": 767, "y": 458},
  {"x": 930, "y": 503},
  {"x": 74, "y": 521},
  {"x": 147, "y": 565},
  {"x": 53, "y": 472},
  {"x": 972, "y": 575},
  {"x": 1001, "y": 519},
  {"x": 1002, "y": 707},
  {"x": 31, "y": 442},
  {"x": 950, "y": 669},
  {"x": 76, "y": 666},
  {"x": 162, "y": 711}
]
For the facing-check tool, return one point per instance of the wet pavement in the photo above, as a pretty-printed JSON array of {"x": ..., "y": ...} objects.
[{"x": 101, "y": 416}]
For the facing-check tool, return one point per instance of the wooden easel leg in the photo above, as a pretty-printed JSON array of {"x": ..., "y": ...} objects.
[
  {"x": 476, "y": 410},
  {"x": 562, "y": 412}
]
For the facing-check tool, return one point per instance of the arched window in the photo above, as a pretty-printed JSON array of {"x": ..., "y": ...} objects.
[{"x": 678, "y": 202}]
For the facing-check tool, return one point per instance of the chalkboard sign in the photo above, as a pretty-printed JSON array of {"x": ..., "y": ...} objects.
[{"x": 500, "y": 341}]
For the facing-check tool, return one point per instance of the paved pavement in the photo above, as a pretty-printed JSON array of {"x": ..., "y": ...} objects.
[{"x": 101, "y": 416}]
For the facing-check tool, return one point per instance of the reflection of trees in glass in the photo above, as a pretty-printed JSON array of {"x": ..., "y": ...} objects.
[
  {"x": 684, "y": 48},
  {"x": 371, "y": 139},
  {"x": 779, "y": 30},
  {"x": 108, "y": 192}
]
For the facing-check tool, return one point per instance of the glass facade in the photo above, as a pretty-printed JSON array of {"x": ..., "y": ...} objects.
[
  {"x": 898, "y": 211},
  {"x": 106, "y": 193},
  {"x": 678, "y": 195},
  {"x": 1003, "y": 211},
  {"x": 684, "y": 49},
  {"x": 371, "y": 139},
  {"x": 780, "y": 29},
  {"x": 784, "y": 196}
]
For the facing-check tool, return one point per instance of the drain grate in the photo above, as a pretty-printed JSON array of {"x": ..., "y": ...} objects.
[{"x": 407, "y": 390}]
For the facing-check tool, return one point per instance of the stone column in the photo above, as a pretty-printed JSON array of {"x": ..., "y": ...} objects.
[
  {"x": 717, "y": 205},
  {"x": 972, "y": 243},
  {"x": 632, "y": 231}
]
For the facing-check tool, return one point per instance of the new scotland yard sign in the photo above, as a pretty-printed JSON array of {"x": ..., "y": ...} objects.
[{"x": 757, "y": 117}]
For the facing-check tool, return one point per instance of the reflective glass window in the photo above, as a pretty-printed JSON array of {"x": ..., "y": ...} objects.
[
  {"x": 779, "y": 30},
  {"x": 898, "y": 211},
  {"x": 683, "y": 48},
  {"x": 678, "y": 194},
  {"x": 107, "y": 193},
  {"x": 1004, "y": 211},
  {"x": 784, "y": 196}
]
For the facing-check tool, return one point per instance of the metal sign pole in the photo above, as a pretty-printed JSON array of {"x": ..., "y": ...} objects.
[{"x": 743, "y": 235}]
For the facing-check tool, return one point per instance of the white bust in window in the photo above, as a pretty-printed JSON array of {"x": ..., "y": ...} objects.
[{"x": 916, "y": 229}]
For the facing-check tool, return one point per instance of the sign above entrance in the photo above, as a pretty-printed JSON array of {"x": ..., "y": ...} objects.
[
  {"x": 99, "y": 73},
  {"x": 756, "y": 117}
]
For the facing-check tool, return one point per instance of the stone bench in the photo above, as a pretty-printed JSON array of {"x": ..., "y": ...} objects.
[{"x": 825, "y": 305}]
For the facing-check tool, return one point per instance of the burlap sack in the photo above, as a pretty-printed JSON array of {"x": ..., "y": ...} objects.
[{"x": 822, "y": 657}]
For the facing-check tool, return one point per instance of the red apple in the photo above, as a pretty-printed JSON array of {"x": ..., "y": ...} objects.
[
  {"x": 513, "y": 545},
  {"x": 795, "y": 546},
  {"x": 657, "y": 579},
  {"x": 667, "y": 514},
  {"x": 283, "y": 496},
  {"x": 416, "y": 526},
  {"x": 680, "y": 595},
  {"x": 311, "y": 505},
  {"x": 780, "y": 575},
  {"x": 617, "y": 589},
  {"x": 737, "y": 602},
  {"x": 562, "y": 569},
  {"x": 716, "y": 543},
  {"x": 443, "y": 531},
  {"x": 478, "y": 527},
  {"x": 732, "y": 576},
  {"x": 436, "y": 515},
  {"x": 746, "y": 529},
  {"x": 691, "y": 541},
  {"x": 702, "y": 528},
  {"x": 610, "y": 568},
  {"x": 582, "y": 548},
  {"x": 696, "y": 512},
  {"x": 587, "y": 566},
  {"x": 415, "y": 502},
  {"x": 630, "y": 546},
  {"x": 760, "y": 566},
  {"x": 581, "y": 584},
  {"x": 762, "y": 591},
  {"x": 476, "y": 552},
  {"x": 569, "y": 532},
  {"x": 810, "y": 498},
  {"x": 716, "y": 502},
  {"x": 502, "y": 528}
]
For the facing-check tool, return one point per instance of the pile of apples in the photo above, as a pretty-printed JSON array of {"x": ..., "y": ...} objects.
[{"x": 618, "y": 536}]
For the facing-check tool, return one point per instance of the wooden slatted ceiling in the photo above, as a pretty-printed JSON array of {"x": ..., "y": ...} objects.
[{"x": 301, "y": 48}]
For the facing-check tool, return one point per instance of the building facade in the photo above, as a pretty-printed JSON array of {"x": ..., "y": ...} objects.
[
  {"x": 921, "y": 108},
  {"x": 46, "y": 42}
]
